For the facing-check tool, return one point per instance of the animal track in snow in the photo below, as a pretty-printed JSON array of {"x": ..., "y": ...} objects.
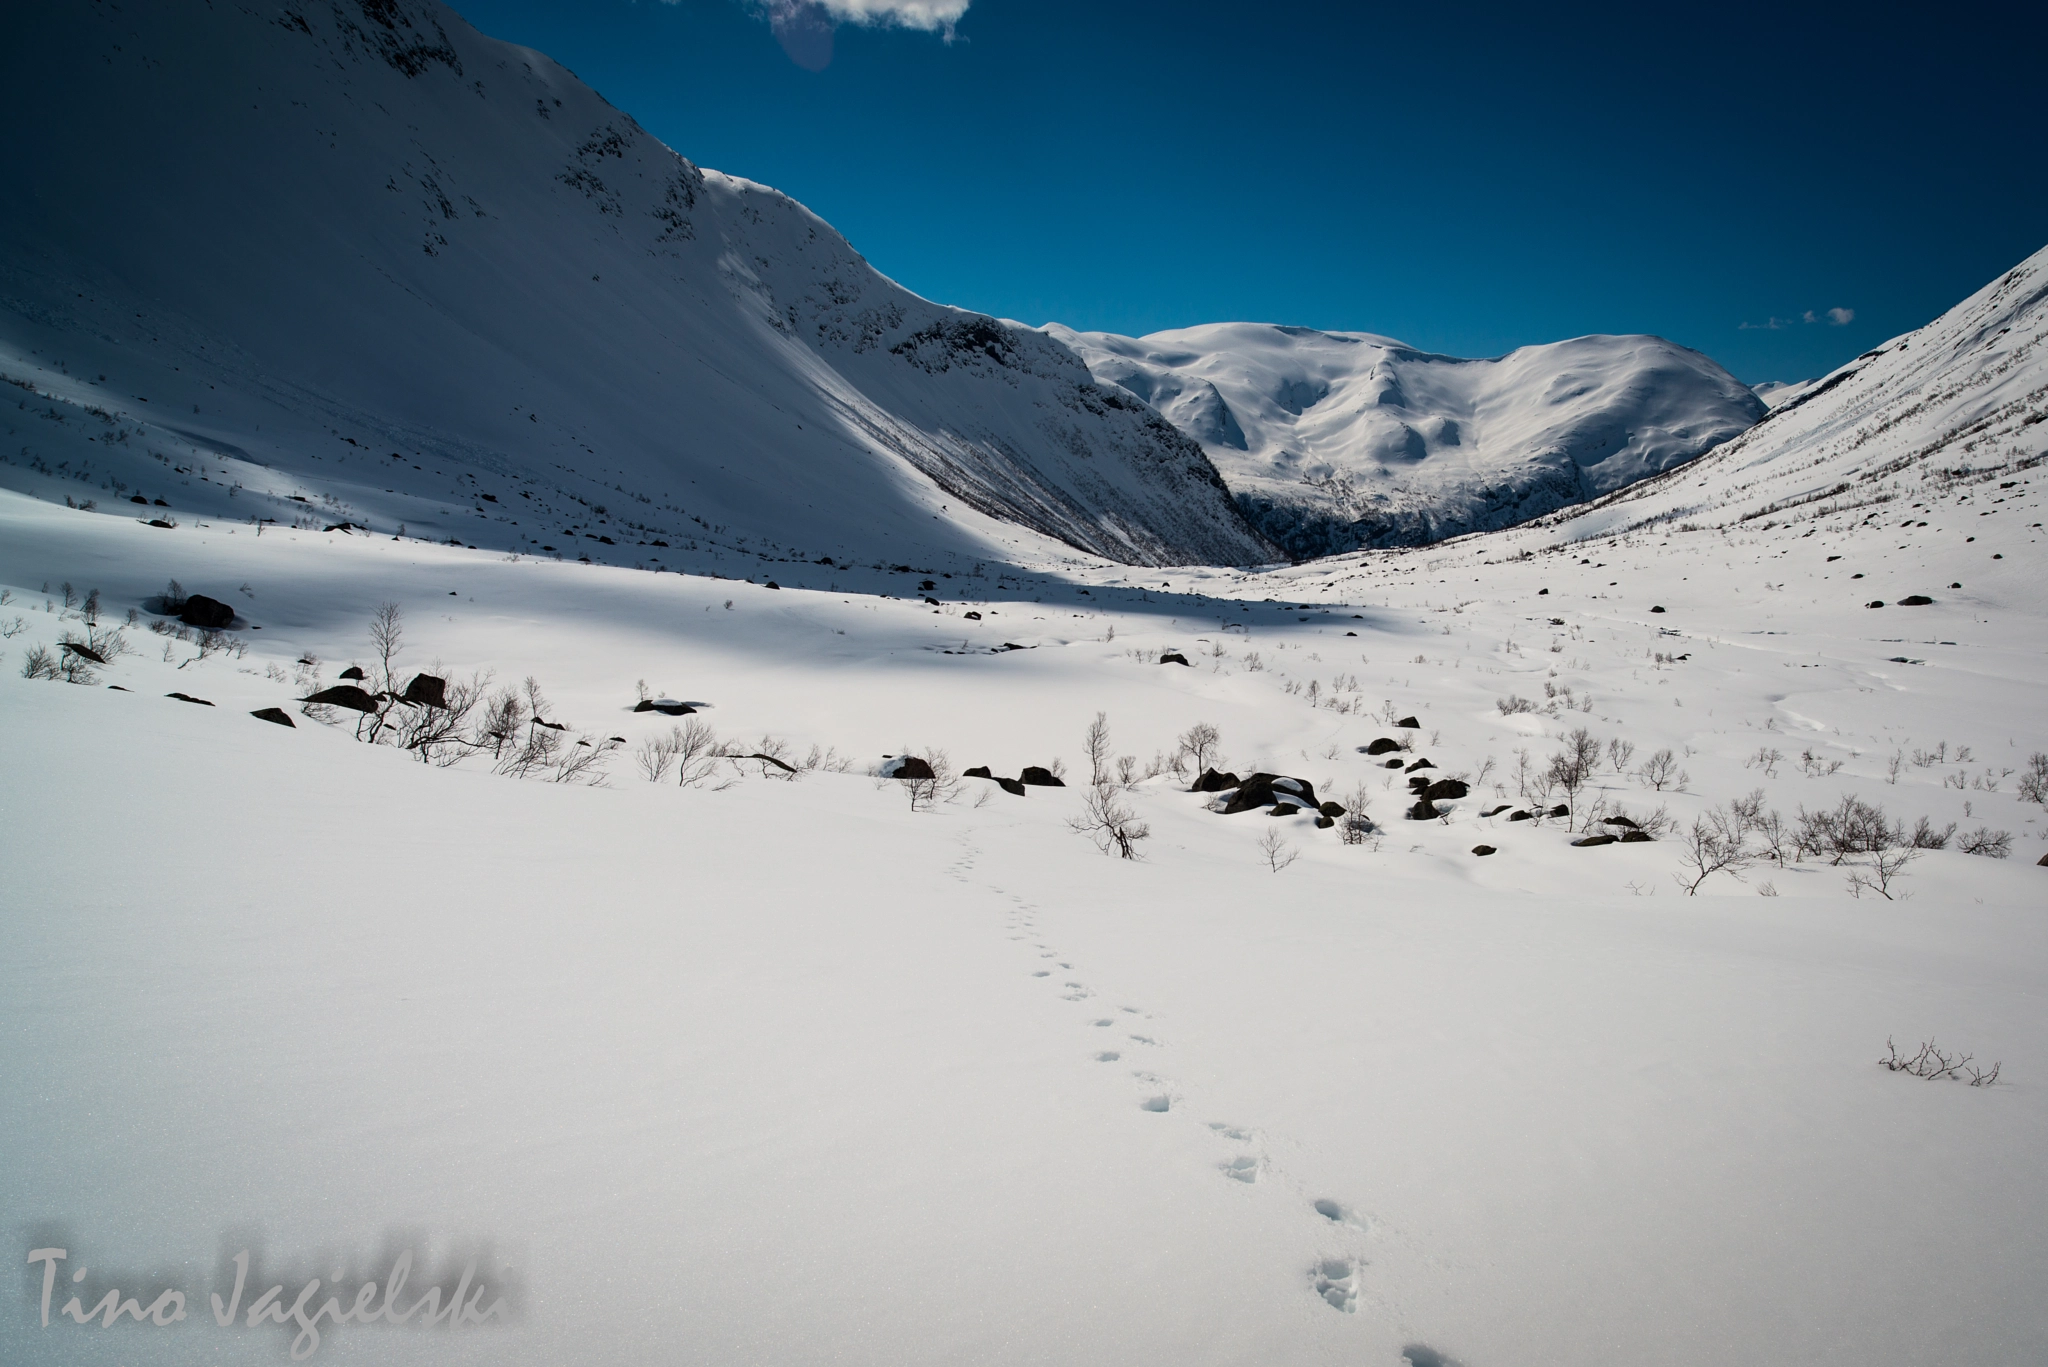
[
  {"x": 1042, "y": 973},
  {"x": 1156, "y": 1104},
  {"x": 1336, "y": 1281},
  {"x": 1108, "y": 1056},
  {"x": 1338, "y": 1214},
  {"x": 1422, "y": 1355},
  {"x": 1243, "y": 1168},
  {"x": 1102, "y": 1023},
  {"x": 1144, "y": 1039}
]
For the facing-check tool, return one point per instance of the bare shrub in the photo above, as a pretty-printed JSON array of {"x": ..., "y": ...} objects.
[
  {"x": 39, "y": 664},
  {"x": 1512, "y": 704},
  {"x": 1660, "y": 772},
  {"x": 1356, "y": 826},
  {"x": 1198, "y": 748},
  {"x": 1714, "y": 843},
  {"x": 1985, "y": 841},
  {"x": 1095, "y": 745},
  {"x": 1571, "y": 768},
  {"x": 1108, "y": 821},
  {"x": 1934, "y": 1065},
  {"x": 942, "y": 786},
  {"x": 439, "y": 736},
  {"x": 2033, "y": 780},
  {"x": 1275, "y": 850},
  {"x": 1881, "y": 871},
  {"x": 1815, "y": 766},
  {"x": 1852, "y": 827},
  {"x": 1925, "y": 837},
  {"x": 1619, "y": 753},
  {"x": 1766, "y": 759}
]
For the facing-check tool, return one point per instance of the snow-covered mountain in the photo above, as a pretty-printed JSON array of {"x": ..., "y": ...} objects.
[
  {"x": 359, "y": 256},
  {"x": 1335, "y": 440}
]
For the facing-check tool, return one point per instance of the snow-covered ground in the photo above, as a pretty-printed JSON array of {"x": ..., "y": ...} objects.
[{"x": 766, "y": 1070}]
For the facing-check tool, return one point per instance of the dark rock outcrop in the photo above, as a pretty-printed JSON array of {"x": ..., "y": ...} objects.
[
  {"x": 1483, "y": 850},
  {"x": 1410, "y": 723},
  {"x": 978, "y": 771},
  {"x": 1035, "y": 777},
  {"x": 1382, "y": 746},
  {"x": 1591, "y": 840},
  {"x": 210, "y": 613},
  {"x": 1174, "y": 657},
  {"x": 1915, "y": 600},
  {"x": 1446, "y": 789},
  {"x": 1424, "y": 810},
  {"x": 343, "y": 695},
  {"x": 426, "y": 690},
  {"x": 1213, "y": 782},
  {"x": 1010, "y": 785},
  {"x": 1263, "y": 790},
  {"x": 276, "y": 714}
]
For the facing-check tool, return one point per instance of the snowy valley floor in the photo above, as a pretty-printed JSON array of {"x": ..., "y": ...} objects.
[{"x": 785, "y": 1072}]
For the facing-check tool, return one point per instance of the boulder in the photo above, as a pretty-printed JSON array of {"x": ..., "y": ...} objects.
[
  {"x": 1635, "y": 837},
  {"x": 210, "y": 613},
  {"x": 1263, "y": 790},
  {"x": 85, "y": 652},
  {"x": 972, "y": 616},
  {"x": 1915, "y": 600},
  {"x": 1393, "y": 764},
  {"x": 773, "y": 585},
  {"x": 1424, "y": 810},
  {"x": 978, "y": 771},
  {"x": 1420, "y": 764},
  {"x": 1875, "y": 603},
  {"x": 1619, "y": 821},
  {"x": 1010, "y": 785},
  {"x": 1560, "y": 810},
  {"x": 1446, "y": 789},
  {"x": 276, "y": 714},
  {"x": 908, "y": 767},
  {"x": 1495, "y": 811},
  {"x": 426, "y": 690},
  {"x": 1332, "y": 810},
  {"x": 2042, "y": 862},
  {"x": 187, "y": 697},
  {"x": 343, "y": 695},
  {"x": 1410, "y": 723},
  {"x": 1323, "y": 823},
  {"x": 1520, "y": 816},
  {"x": 1035, "y": 777},
  {"x": 1174, "y": 657},
  {"x": 1283, "y": 809},
  {"x": 1382, "y": 746},
  {"x": 1213, "y": 782},
  {"x": 352, "y": 672},
  {"x": 1483, "y": 850},
  {"x": 1590, "y": 840},
  {"x": 1656, "y": 609}
]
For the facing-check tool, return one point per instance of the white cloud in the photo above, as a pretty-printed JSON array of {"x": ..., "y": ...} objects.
[
  {"x": 1837, "y": 317},
  {"x": 1841, "y": 316},
  {"x": 934, "y": 15}
]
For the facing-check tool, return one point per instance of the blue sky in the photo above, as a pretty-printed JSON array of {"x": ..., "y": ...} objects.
[{"x": 1466, "y": 178}]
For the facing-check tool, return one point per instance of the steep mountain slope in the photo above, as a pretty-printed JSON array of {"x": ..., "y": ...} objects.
[
  {"x": 1924, "y": 437},
  {"x": 308, "y": 249},
  {"x": 1335, "y": 440}
]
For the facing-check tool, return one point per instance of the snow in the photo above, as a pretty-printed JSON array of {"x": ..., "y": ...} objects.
[
  {"x": 780, "y": 1070},
  {"x": 1336, "y": 440}
]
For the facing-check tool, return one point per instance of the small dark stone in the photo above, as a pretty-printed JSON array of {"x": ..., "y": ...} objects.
[
  {"x": 426, "y": 691},
  {"x": 1035, "y": 777},
  {"x": 930, "y": 601},
  {"x": 1420, "y": 764},
  {"x": 1915, "y": 600},
  {"x": 1410, "y": 723},
  {"x": 1635, "y": 837},
  {"x": 1593, "y": 840},
  {"x": 1875, "y": 603},
  {"x": 1619, "y": 821},
  {"x": 138, "y": 498},
  {"x": 1656, "y": 609},
  {"x": 85, "y": 652},
  {"x": 1560, "y": 810},
  {"x": 972, "y": 616},
  {"x": 159, "y": 522},
  {"x": 1495, "y": 811},
  {"x": 773, "y": 585},
  {"x": 910, "y": 766},
  {"x": 346, "y": 695},
  {"x": 1424, "y": 810},
  {"x": 1447, "y": 789},
  {"x": 1543, "y": 593},
  {"x": 1557, "y": 621},
  {"x": 978, "y": 771},
  {"x": 644, "y": 705},
  {"x": 1482, "y": 850},
  {"x": 1174, "y": 657},
  {"x": 276, "y": 714},
  {"x": 1520, "y": 816},
  {"x": 211, "y": 613},
  {"x": 1323, "y": 823},
  {"x": 1332, "y": 810},
  {"x": 1213, "y": 782},
  {"x": 187, "y": 697},
  {"x": 352, "y": 672},
  {"x": 2042, "y": 862},
  {"x": 1010, "y": 785},
  {"x": 1382, "y": 746},
  {"x": 1393, "y": 764},
  {"x": 1283, "y": 809}
]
